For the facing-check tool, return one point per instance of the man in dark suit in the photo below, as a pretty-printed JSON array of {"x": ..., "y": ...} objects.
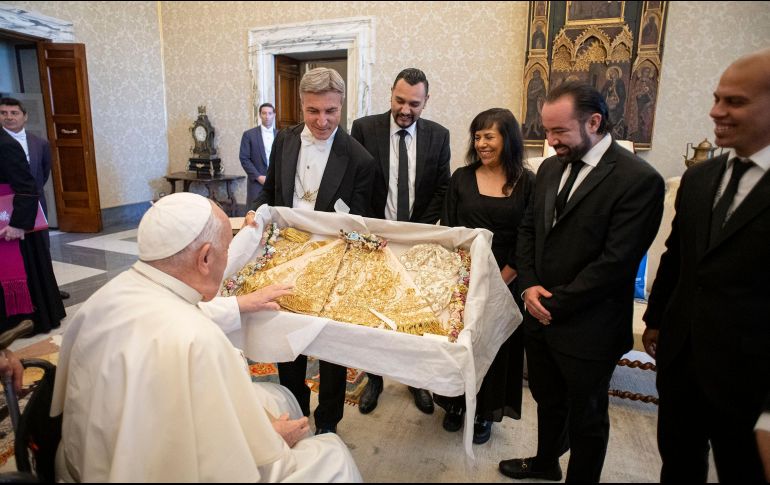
[
  {"x": 37, "y": 150},
  {"x": 317, "y": 166},
  {"x": 418, "y": 195},
  {"x": 596, "y": 208},
  {"x": 707, "y": 317},
  {"x": 254, "y": 154}
]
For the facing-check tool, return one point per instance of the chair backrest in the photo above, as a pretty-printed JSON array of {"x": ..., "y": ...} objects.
[{"x": 38, "y": 435}]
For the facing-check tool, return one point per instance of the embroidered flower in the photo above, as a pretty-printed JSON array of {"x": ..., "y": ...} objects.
[
  {"x": 459, "y": 295},
  {"x": 269, "y": 238}
]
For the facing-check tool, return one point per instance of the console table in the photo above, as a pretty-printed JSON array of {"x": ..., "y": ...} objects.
[{"x": 189, "y": 178}]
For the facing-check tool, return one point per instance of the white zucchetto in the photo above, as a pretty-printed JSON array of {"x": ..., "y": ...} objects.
[{"x": 171, "y": 224}]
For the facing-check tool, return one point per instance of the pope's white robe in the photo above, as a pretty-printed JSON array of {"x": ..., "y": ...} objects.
[{"x": 152, "y": 391}]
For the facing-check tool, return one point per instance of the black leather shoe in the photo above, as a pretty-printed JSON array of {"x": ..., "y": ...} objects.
[
  {"x": 482, "y": 431},
  {"x": 64, "y": 295},
  {"x": 326, "y": 429},
  {"x": 453, "y": 421},
  {"x": 422, "y": 399},
  {"x": 521, "y": 468},
  {"x": 369, "y": 397}
]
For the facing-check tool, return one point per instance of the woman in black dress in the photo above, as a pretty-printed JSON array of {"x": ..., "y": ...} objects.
[{"x": 492, "y": 192}]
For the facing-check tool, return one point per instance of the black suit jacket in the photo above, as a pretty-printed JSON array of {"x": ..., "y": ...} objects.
[
  {"x": 15, "y": 171},
  {"x": 348, "y": 174},
  {"x": 433, "y": 157},
  {"x": 39, "y": 164},
  {"x": 253, "y": 157},
  {"x": 590, "y": 257},
  {"x": 716, "y": 300}
]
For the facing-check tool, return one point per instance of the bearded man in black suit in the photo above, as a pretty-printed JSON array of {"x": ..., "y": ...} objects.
[{"x": 596, "y": 208}]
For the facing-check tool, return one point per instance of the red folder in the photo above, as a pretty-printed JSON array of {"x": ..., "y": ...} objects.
[{"x": 6, "y": 209}]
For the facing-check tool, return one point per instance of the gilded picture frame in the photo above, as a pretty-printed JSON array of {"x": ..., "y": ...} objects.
[{"x": 618, "y": 52}]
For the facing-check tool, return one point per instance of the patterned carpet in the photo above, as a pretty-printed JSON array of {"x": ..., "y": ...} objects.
[{"x": 356, "y": 380}]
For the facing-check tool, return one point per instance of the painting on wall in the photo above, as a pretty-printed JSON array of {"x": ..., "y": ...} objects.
[{"x": 615, "y": 46}]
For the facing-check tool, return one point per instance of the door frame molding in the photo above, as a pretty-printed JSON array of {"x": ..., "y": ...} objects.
[
  {"x": 356, "y": 35},
  {"x": 36, "y": 24}
]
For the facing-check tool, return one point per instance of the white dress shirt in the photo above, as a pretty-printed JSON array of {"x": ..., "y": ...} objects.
[
  {"x": 391, "y": 206},
  {"x": 590, "y": 161},
  {"x": 761, "y": 161},
  {"x": 21, "y": 137},
  {"x": 311, "y": 163},
  {"x": 267, "y": 139}
]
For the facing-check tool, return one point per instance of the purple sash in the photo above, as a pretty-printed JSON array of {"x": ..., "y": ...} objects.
[{"x": 13, "y": 277}]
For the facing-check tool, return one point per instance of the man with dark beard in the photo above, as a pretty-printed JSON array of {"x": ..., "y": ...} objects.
[{"x": 596, "y": 209}]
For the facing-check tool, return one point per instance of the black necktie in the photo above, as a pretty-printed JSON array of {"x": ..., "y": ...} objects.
[
  {"x": 719, "y": 215},
  {"x": 402, "y": 210},
  {"x": 561, "y": 198}
]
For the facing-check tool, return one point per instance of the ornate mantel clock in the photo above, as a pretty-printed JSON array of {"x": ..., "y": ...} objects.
[{"x": 204, "y": 161}]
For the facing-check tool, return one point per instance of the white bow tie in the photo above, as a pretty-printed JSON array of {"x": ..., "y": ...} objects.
[{"x": 308, "y": 139}]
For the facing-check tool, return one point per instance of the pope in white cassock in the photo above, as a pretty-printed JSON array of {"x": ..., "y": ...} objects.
[{"x": 153, "y": 391}]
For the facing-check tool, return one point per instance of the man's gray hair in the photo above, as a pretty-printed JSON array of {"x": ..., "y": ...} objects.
[{"x": 322, "y": 80}]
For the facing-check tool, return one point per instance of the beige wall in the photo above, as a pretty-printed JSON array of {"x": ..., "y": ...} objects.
[
  {"x": 473, "y": 54},
  {"x": 459, "y": 45},
  {"x": 702, "y": 39},
  {"x": 125, "y": 75}
]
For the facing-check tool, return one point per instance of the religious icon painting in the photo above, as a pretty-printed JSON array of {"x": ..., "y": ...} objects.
[{"x": 615, "y": 46}]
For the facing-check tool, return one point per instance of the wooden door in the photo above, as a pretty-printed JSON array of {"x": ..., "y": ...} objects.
[
  {"x": 64, "y": 84},
  {"x": 288, "y": 111}
]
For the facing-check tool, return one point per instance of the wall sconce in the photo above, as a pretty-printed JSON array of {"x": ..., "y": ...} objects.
[{"x": 702, "y": 152}]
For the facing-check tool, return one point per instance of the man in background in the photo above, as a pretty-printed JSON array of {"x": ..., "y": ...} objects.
[
  {"x": 254, "y": 154},
  {"x": 412, "y": 158}
]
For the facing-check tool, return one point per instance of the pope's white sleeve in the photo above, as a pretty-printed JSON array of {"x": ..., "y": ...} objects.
[{"x": 224, "y": 311}]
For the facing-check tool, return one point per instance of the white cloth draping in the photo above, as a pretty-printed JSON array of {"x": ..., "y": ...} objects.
[{"x": 427, "y": 362}]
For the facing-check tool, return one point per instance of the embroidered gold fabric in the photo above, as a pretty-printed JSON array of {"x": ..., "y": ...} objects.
[
  {"x": 295, "y": 235},
  {"x": 313, "y": 277},
  {"x": 436, "y": 271},
  {"x": 375, "y": 280},
  {"x": 286, "y": 250},
  {"x": 344, "y": 283}
]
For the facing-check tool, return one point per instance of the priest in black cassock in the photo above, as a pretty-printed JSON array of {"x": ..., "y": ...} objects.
[{"x": 28, "y": 288}]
